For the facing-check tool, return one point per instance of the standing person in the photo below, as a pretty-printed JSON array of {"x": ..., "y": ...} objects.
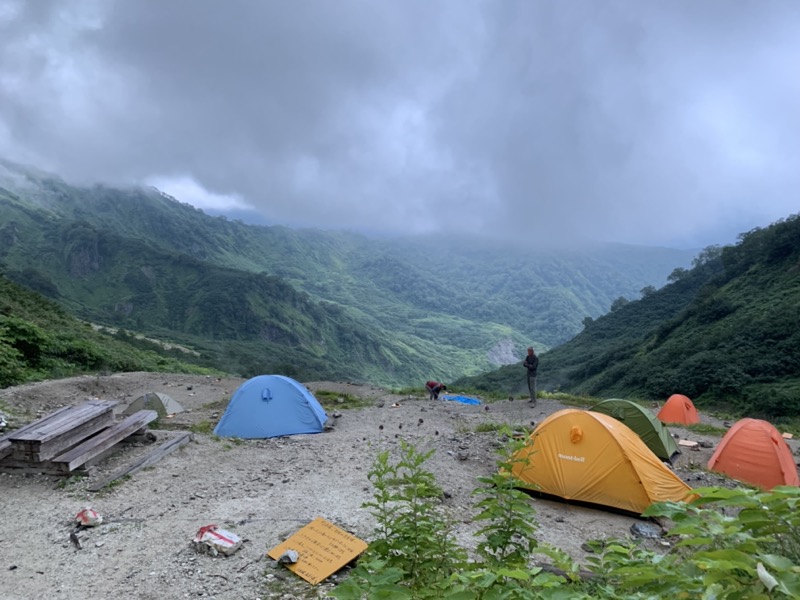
[
  {"x": 434, "y": 387},
  {"x": 531, "y": 363}
]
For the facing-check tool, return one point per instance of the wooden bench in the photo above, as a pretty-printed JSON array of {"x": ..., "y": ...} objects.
[
  {"x": 97, "y": 444},
  {"x": 32, "y": 424},
  {"x": 5, "y": 448},
  {"x": 57, "y": 432}
]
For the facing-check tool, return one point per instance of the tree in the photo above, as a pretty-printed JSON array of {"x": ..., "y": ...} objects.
[
  {"x": 707, "y": 254},
  {"x": 647, "y": 290},
  {"x": 677, "y": 274},
  {"x": 619, "y": 303}
]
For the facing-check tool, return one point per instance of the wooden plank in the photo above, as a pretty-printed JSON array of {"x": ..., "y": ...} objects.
[
  {"x": 51, "y": 429},
  {"x": 56, "y": 422},
  {"x": 33, "y": 424},
  {"x": 36, "y": 452},
  {"x": 5, "y": 449},
  {"x": 58, "y": 431},
  {"x": 11, "y": 465},
  {"x": 144, "y": 461},
  {"x": 107, "y": 438}
]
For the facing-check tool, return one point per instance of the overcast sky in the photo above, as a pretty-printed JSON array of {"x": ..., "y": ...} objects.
[{"x": 659, "y": 122}]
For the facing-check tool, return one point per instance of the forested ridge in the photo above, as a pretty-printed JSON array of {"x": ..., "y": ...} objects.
[
  {"x": 309, "y": 303},
  {"x": 316, "y": 304},
  {"x": 724, "y": 332},
  {"x": 39, "y": 340}
]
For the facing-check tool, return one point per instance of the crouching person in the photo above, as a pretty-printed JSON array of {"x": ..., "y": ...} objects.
[{"x": 434, "y": 389}]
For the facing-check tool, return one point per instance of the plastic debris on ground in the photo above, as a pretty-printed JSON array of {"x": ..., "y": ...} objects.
[
  {"x": 462, "y": 399},
  {"x": 212, "y": 540},
  {"x": 289, "y": 557},
  {"x": 88, "y": 517}
]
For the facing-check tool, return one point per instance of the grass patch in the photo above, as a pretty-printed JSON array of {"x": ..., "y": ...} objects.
[
  {"x": 337, "y": 401},
  {"x": 220, "y": 404},
  {"x": 7, "y": 410},
  {"x": 409, "y": 391},
  {"x": 508, "y": 430},
  {"x": 68, "y": 481},
  {"x": 228, "y": 442},
  {"x": 490, "y": 426},
  {"x": 569, "y": 399},
  {"x": 702, "y": 428},
  {"x": 205, "y": 426},
  {"x": 118, "y": 482},
  {"x": 112, "y": 485}
]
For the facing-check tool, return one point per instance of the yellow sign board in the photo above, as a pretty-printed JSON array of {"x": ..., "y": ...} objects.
[{"x": 322, "y": 548}]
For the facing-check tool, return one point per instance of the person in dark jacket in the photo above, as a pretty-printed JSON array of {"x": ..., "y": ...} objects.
[
  {"x": 531, "y": 363},
  {"x": 434, "y": 388}
]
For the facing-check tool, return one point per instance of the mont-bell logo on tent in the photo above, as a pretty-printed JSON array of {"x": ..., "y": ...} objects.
[{"x": 572, "y": 458}]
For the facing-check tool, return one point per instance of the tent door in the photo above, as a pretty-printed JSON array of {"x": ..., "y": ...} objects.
[{"x": 266, "y": 394}]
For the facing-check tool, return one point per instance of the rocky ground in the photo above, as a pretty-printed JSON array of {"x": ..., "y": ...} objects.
[{"x": 261, "y": 490}]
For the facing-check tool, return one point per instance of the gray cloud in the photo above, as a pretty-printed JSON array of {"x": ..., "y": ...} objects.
[{"x": 645, "y": 122}]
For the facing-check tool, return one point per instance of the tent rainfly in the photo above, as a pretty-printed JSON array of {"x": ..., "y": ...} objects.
[
  {"x": 590, "y": 457},
  {"x": 678, "y": 409},
  {"x": 271, "y": 406},
  {"x": 643, "y": 422},
  {"x": 752, "y": 451},
  {"x": 161, "y": 403}
]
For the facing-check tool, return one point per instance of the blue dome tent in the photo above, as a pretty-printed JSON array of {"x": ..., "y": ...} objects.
[{"x": 271, "y": 406}]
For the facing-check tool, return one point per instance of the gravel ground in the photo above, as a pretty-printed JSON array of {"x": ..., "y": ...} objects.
[{"x": 262, "y": 490}]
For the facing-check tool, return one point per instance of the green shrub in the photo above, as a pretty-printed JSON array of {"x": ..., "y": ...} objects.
[
  {"x": 414, "y": 550},
  {"x": 726, "y": 545},
  {"x": 729, "y": 544}
]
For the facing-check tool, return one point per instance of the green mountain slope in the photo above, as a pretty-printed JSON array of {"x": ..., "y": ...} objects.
[
  {"x": 39, "y": 340},
  {"x": 725, "y": 333},
  {"x": 388, "y": 311},
  {"x": 250, "y": 322}
]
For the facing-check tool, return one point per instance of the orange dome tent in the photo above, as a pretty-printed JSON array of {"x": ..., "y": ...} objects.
[
  {"x": 678, "y": 409},
  {"x": 591, "y": 457},
  {"x": 754, "y": 452}
]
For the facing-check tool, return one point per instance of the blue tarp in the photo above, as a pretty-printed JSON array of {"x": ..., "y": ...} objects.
[
  {"x": 271, "y": 406},
  {"x": 462, "y": 399}
]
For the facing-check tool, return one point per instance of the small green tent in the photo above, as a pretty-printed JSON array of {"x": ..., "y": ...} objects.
[
  {"x": 652, "y": 431},
  {"x": 161, "y": 403}
]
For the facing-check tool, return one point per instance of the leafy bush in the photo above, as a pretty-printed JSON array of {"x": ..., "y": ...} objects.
[
  {"x": 726, "y": 545},
  {"x": 730, "y": 544},
  {"x": 414, "y": 550}
]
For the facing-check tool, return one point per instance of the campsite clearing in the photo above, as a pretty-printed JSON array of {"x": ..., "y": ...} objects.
[{"x": 261, "y": 490}]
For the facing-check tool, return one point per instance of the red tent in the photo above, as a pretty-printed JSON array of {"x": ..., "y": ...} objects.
[
  {"x": 678, "y": 409},
  {"x": 754, "y": 452}
]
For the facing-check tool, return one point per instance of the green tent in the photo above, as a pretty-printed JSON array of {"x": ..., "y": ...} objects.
[
  {"x": 652, "y": 431},
  {"x": 161, "y": 403}
]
